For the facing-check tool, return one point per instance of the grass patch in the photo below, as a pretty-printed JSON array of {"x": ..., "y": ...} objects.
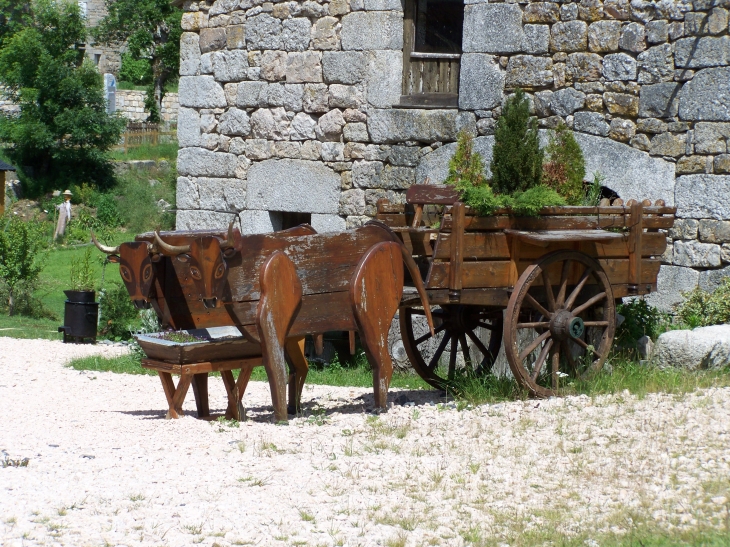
[
  {"x": 19, "y": 326},
  {"x": 359, "y": 377},
  {"x": 147, "y": 151},
  {"x": 124, "y": 364},
  {"x": 620, "y": 374}
]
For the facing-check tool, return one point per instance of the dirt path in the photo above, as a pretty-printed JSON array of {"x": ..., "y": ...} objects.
[{"x": 106, "y": 468}]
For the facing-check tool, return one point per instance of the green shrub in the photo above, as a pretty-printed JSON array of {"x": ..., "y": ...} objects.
[
  {"x": 21, "y": 257},
  {"x": 138, "y": 199},
  {"x": 517, "y": 157},
  {"x": 593, "y": 192},
  {"x": 466, "y": 174},
  {"x": 106, "y": 210},
  {"x": 565, "y": 168},
  {"x": 119, "y": 317},
  {"x": 640, "y": 319},
  {"x": 702, "y": 309},
  {"x": 136, "y": 71}
]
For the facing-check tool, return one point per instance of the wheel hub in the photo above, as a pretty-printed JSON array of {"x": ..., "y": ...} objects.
[{"x": 565, "y": 325}]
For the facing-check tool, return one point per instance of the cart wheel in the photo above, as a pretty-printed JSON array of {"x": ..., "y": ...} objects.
[
  {"x": 467, "y": 339},
  {"x": 564, "y": 332}
]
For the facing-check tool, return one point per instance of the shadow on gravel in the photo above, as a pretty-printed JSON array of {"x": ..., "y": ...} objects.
[{"x": 317, "y": 406}]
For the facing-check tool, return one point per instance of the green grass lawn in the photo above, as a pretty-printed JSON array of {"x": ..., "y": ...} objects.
[
  {"x": 163, "y": 151},
  {"x": 358, "y": 375}
]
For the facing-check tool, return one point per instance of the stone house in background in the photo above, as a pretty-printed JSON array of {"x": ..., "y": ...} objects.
[
  {"x": 312, "y": 110},
  {"x": 108, "y": 59}
]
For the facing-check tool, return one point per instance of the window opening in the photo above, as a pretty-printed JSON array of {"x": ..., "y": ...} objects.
[
  {"x": 433, "y": 31},
  {"x": 283, "y": 220}
]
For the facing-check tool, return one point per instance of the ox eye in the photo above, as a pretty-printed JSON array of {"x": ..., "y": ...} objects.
[
  {"x": 195, "y": 272},
  {"x": 126, "y": 274},
  {"x": 220, "y": 270},
  {"x": 147, "y": 273}
]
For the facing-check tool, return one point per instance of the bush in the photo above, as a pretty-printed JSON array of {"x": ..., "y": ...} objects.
[
  {"x": 21, "y": 258},
  {"x": 640, "y": 319},
  {"x": 517, "y": 157},
  {"x": 106, "y": 210},
  {"x": 565, "y": 168},
  {"x": 702, "y": 309},
  {"x": 137, "y": 205},
  {"x": 466, "y": 174},
  {"x": 137, "y": 71},
  {"x": 118, "y": 315}
]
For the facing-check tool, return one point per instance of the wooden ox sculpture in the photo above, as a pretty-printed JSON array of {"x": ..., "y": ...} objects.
[
  {"x": 170, "y": 288},
  {"x": 289, "y": 287}
]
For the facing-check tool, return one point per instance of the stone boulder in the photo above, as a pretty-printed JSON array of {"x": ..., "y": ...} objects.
[{"x": 701, "y": 348}]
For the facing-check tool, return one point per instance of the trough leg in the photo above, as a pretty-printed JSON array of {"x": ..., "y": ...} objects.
[
  {"x": 200, "y": 391},
  {"x": 281, "y": 296},
  {"x": 175, "y": 395},
  {"x": 375, "y": 291},
  {"x": 299, "y": 367},
  {"x": 235, "y": 390}
]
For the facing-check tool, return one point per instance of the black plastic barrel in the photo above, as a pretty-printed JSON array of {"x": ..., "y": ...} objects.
[{"x": 80, "y": 317}]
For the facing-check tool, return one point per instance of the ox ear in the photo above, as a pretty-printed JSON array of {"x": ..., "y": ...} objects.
[
  {"x": 114, "y": 259},
  {"x": 183, "y": 258},
  {"x": 229, "y": 252},
  {"x": 156, "y": 257}
]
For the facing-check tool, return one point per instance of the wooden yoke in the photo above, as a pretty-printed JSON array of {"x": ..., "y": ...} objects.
[
  {"x": 636, "y": 229},
  {"x": 281, "y": 296},
  {"x": 458, "y": 213}
]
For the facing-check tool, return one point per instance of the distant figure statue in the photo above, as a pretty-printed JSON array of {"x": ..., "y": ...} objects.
[{"x": 64, "y": 215}]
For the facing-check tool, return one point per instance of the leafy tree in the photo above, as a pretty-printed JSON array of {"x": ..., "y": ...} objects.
[
  {"x": 517, "y": 157},
  {"x": 63, "y": 128},
  {"x": 13, "y": 16},
  {"x": 152, "y": 31},
  {"x": 20, "y": 262}
]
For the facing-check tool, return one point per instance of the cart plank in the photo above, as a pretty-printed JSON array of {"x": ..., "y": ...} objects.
[{"x": 543, "y": 238}]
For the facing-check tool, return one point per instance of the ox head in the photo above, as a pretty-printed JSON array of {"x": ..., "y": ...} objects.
[
  {"x": 204, "y": 257},
  {"x": 135, "y": 266}
]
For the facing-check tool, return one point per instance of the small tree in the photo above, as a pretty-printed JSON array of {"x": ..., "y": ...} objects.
[
  {"x": 13, "y": 16},
  {"x": 565, "y": 168},
  {"x": 152, "y": 30},
  {"x": 517, "y": 158},
  {"x": 20, "y": 262},
  {"x": 63, "y": 128}
]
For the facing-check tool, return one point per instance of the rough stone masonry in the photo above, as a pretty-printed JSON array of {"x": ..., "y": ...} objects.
[{"x": 295, "y": 106}]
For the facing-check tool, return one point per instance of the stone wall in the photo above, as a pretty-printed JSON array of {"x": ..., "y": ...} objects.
[
  {"x": 131, "y": 104},
  {"x": 294, "y": 106}
]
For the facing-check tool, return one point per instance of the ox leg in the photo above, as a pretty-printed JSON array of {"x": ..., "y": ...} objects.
[
  {"x": 281, "y": 296},
  {"x": 298, "y": 367},
  {"x": 200, "y": 391},
  {"x": 375, "y": 291}
]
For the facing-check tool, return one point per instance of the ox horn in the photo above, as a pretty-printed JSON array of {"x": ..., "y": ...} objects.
[
  {"x": 170, "y": 249},
  {"x": 228, "y": 243},
  {"x": 104, "y": 248}
]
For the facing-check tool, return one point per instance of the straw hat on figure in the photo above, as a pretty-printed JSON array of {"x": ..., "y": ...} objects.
[{"x": 64, "y": 214}]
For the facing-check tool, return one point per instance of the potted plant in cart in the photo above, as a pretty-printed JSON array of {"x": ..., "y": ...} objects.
[{"x": 81, "y": 311}]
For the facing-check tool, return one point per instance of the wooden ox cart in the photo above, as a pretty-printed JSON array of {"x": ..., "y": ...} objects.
[
  {"x": 546, "y": 286},
  {"x": 275, "y": 288}
]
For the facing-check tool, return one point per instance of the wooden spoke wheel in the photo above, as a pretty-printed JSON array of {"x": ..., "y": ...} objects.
[
  {"x": 560, "y": 322},
  {"x": 467, "y": 341}
]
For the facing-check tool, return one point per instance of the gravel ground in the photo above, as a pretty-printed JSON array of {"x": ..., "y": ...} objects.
[{"x": 105, "y": 468}]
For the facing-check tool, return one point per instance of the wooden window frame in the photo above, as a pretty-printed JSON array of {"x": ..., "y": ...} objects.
[{"x": 445, "y": 66}]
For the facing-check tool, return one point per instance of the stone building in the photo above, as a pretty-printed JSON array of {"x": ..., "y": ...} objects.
[
  {"x": 108, "y": 59},
  {"x": 313, "y": 110}
]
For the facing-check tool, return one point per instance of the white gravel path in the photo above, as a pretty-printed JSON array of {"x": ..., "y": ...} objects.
[{"x": 107, "y": 469}]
